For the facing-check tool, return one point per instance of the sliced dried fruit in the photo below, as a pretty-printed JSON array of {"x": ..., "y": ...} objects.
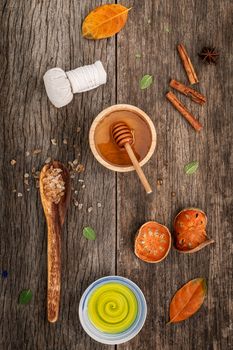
[
  {"x": 105, "y": 21},
  {"x": 190, "y": 230},
  {"x": 152, "y": 242},
  {"x": 187, "y": 300}
]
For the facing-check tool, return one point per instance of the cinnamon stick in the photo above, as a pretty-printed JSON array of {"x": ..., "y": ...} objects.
[
  {"x": 183, "y": 111},
  {"x": 187, "y": 91},
  {"x": 187, "y": 64}
]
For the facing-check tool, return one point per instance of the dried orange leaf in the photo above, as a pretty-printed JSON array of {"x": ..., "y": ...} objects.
[
  {"x": 105, "y": 21},
  {"x": 187, "y": 300}
]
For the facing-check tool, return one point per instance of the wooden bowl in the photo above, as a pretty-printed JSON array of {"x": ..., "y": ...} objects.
[{"x": 108, "y": 113}]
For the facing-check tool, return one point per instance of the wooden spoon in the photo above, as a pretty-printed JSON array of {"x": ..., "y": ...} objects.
[
  {"x": 123, "y": 137},
  {"x": 55, "y": 196}
]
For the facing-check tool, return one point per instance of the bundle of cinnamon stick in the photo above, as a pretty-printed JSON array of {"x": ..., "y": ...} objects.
[{"x": 186, "y": 90}]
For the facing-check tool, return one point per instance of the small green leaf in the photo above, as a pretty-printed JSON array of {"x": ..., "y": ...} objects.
[
  {"x": 146, "y": 81},
  {"x": 191, "y": 167},
  {"x": 167, "y": 30},
  {"x": 25, "y": 296},
  {"x": 89, "y": 233},
  {"x": 138, "y": 55}
]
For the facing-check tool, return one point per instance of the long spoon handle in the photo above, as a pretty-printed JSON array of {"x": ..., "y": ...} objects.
[
  {"x": 54, "y": 270},
  {"x": 137, "y": 167}
]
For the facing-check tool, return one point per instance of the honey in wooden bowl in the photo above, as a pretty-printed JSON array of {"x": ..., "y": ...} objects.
[{"x": 105, "y": 148}]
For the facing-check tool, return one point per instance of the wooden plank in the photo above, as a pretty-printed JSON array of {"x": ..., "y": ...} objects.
[
  {"x": 36, "y": 36},
  {"x": 153, "y": 31}
]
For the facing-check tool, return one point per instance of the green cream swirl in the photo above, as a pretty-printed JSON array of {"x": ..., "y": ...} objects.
[{"x": 112, "y": 308}]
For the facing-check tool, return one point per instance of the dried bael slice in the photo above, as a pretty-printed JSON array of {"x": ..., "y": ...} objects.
[
  {"x": 152, "y": 242},
  {"x": 190, "y": 230}
]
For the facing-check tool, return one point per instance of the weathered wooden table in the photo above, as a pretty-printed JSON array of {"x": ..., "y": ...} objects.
[{"x": 37, "y": 35}]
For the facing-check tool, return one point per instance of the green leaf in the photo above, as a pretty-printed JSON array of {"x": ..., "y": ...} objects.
[
  {"x": 138, "y": 55},
  {"x": 25, "y": 296},
  {"x": 191, "y": 167},
  {"x": 146, "y": 81},
  {"x": 167, "y": 30},
  {"x": 89, "y": 233}
]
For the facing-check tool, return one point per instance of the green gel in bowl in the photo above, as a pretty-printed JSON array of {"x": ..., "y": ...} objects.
[{"x": 112, "y": 308}]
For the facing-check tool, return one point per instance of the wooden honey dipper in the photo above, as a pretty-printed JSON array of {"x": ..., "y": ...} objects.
[{"x": 123, "y": 137}]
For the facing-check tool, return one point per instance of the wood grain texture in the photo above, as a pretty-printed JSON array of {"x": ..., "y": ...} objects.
[
  {"x": 39, "y": 35},
  {"x": 195, "y": 24}
]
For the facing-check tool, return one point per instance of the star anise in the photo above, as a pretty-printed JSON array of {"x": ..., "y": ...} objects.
[{"x": 209, "y": 55}]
